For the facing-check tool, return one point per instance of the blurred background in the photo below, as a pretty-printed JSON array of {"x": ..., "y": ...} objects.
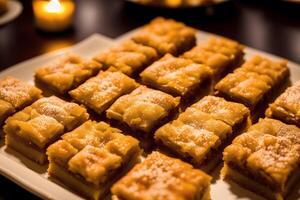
[{"x": 269, "y": 25}]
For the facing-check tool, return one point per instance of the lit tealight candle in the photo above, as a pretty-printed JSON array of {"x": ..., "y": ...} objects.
[{"x": 53, "y": 15}]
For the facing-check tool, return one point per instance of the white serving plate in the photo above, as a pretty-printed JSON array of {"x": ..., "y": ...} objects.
[{"x": 34, "y": 178}]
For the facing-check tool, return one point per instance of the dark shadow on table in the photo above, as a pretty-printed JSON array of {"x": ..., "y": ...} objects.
[
  {"x": 275, "y": 8},
  {"x": 1, "y": 141},
  {"x": 242, "y": 192},
  {"x": 194, "y": 16},
  {"x": 216, "y": 173}
]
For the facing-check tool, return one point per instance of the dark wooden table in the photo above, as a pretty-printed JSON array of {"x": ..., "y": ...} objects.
[{"x": 272, "y": 26}]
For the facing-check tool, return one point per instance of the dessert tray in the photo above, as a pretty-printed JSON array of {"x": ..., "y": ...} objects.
[{"x": 34, "y": 177}]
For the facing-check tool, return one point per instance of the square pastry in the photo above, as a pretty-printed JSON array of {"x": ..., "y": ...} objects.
[
  {"x": 162, "y": 177},
  {"x": 254, "y": 81},
  {"x": 31, "y": 130},
  {"x": 176, "y": 76},
  {"x": 99, "y": 92},
  {"x": 265, "y": 159},
  {"x": 287, "y": 106},
  {"x": 65, "y": 73},
  {"x": 220, "y": 54},
  {"x": 200, "y": 133},
  {"x": 15, "y": 95},
  {"x": 166, "y": 36},
  {"x": 129, "y": 57},
  {"x": 143, "y": 109},
  {"x": 91, "y": 157}
]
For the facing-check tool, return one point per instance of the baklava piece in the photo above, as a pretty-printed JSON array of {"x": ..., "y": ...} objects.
[
  {"x": 65, "y": 73},
  {"x": 98, "y": 93},
  {"x": 287, "y": 106},
  {"x": 143, "y": 109},
  {"x": 31, "y": 130},
  {"x": 15, "y": 95},
  {"x": 254, "y": 81},
  {"x": 166, "y": 36},
  {"x": 200, "y": 134},
  {"x": 176, "y": 76},
  {"x": 129, "y": 57},
  {"x": 220, "y": 54},
  {"x": 91, "y": 157},
  {"x": 265, "y": 159},
  {"x": 162, "y": 177}
]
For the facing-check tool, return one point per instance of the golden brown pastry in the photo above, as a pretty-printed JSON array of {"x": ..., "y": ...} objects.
[
  {"x": 200, "y": 132},
  {"x": 176, "y": 76},
  {"x": 265, "y": 159},
  {"x": 251, "y": 83},
  {"x": 219, "y": 54},
  {"x": 162, "y": 177},
  {"x": 99, "y": 92},
  {"x": 31, "y": 130},
  {"x": 15, "y": 95},
  {"x": 166, "y": 36},
  {"x": 143, "y": 109},
  {"x": 66, "y": 73},
  {"x": 128, "y": 57},
  {"x": 287, "y": 106},
  {"x": 91, "y": 157}
]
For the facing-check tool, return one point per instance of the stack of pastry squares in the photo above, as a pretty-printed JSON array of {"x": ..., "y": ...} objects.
[
  {"x": 99, "y": 92},
  {"x": 31, "y": 130},
  {"x": 15, "y": 95},
  {"x": 143, "y": 109},
  {"x": 200, "y": 133},
  {"x": 265, "y": 159},
  {"x": 129, "y": 57},
  {"x": 162, "y": 177},
  {"x": 220, "y": 54},
  {"x": 141, "y": 86},
  {"x": 65, "y": 73},
  {"x": 176, "y": 76},
  {"x": 91, "y": 157},
  {"x": 254, "y": 81},
  {"x": 287, "y": 106},
  {"x": 166, "y": 36}
]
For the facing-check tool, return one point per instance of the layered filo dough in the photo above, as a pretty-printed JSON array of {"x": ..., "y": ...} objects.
[
  {"x": 128, "y": 57},
  {"x": 287, "y": 106},
  {"x": 166, "y": 36},
  {"x": 143, "y": 109},
  {"x": 91, "y": 157},
  {"x": 220, "y": 54},
  {"x": 15, "y": 95},
  {"x": 31, "y": 130},
  {"x": 65, "y": 73},
  {"x": 253, "y": 81},
  {"x": 176, "y": 76},
  {"x": 162, "y": 177},
  {"x": 200, "y": 133},
  {"x": 265, "y": 159},
  {"x": 99, "y": 92}
]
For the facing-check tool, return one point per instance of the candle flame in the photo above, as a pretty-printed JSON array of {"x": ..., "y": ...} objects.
[{"x": 54, "y": 6}]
